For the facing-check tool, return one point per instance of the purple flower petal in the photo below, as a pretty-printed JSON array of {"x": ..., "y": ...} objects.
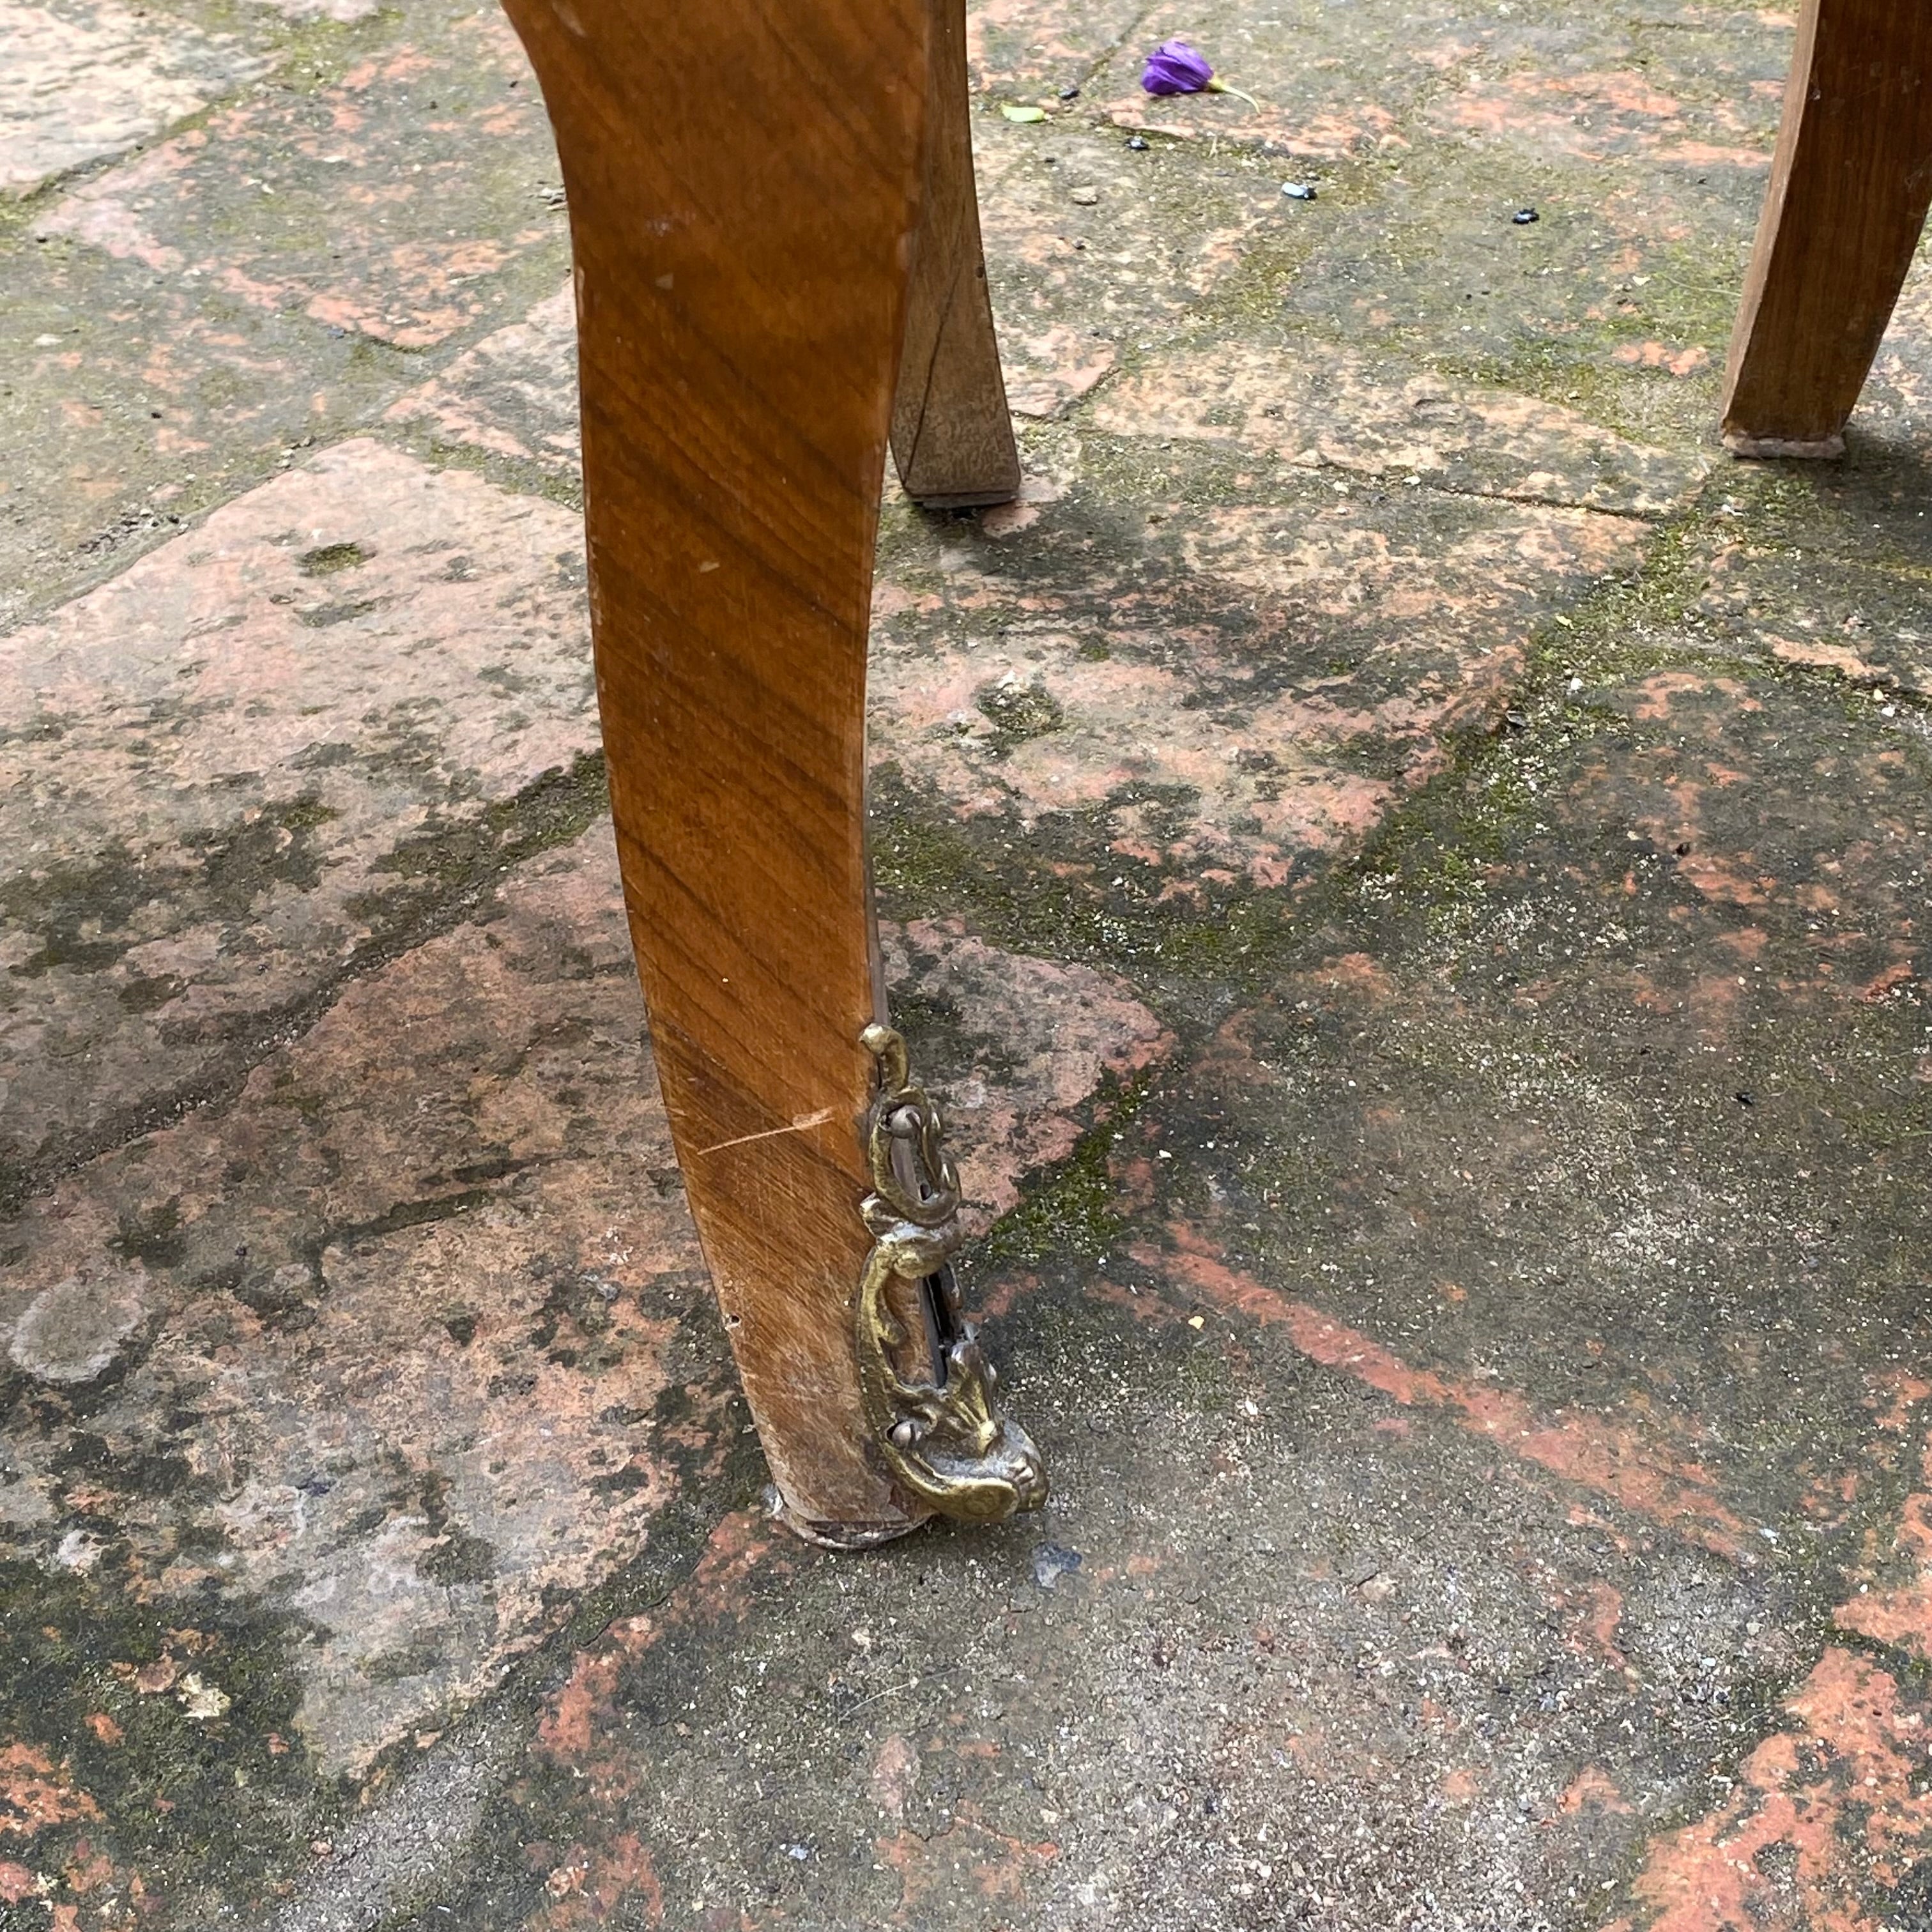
[{"x": 1175, "y": 67}]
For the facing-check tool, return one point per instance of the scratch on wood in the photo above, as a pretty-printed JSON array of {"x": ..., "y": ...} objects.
[{"x": 802, "y": 1124}]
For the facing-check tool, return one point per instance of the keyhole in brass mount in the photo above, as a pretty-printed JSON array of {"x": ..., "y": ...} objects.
[{"x": 936, "y": 1296}]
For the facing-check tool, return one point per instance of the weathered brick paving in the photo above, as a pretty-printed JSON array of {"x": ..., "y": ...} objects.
[{"x": 1408, "y": 865}]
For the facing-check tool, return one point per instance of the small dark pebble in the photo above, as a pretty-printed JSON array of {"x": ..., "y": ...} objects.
[
  {"x": 1137, "y": 142},
  {"x": 1070, "y": 93},
  {"x": 1746, "y": 1099},
  {"x": 1683, "y": 851},
  {"x": 1298, "y": 190},
  {"x": 1523, "y": 217}
]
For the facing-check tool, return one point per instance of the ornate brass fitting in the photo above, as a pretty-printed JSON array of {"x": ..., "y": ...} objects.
[{"x": 942, "y": 1439}]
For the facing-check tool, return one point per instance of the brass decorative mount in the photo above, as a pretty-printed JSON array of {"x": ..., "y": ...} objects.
[{"x": 942, "y": 1439}]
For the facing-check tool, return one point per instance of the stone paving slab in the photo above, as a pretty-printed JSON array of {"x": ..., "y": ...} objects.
[
  {"x": 1893, "y": 406},
  {"x": 324, "y": 202},
  {"x": 1862, "y": 624},
  {"x": 90, "y": 78},
  {"x": 1345, "y": 411},
  {"x": 1308, "y": 109},
  {"x": 1595, "y": 100},
  {"x": 1019, "y": 49},
  {"x": 1728, "y": 880},
  {"x": 344, "y": 13},
  {"x": 514, "y": 395},
  {"x": 198, "y": 317},
  {"x": 151, "y": 407},
  {"x": 947, "y": 710},
  {"x": 1236, "y": 694},
  {"x": 1092, "y": 249},
  {"x": 1551, "y": 80},
  {"x": 414, "y": 1342},
  {"x": 249, "y": 762},
  {"x": 1613, "y": 298}
]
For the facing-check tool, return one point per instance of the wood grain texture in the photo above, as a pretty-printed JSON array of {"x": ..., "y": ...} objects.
[
  {"x": 744, "y": 179},
  {"x": 953, "y": 437},
  {"x": 1850, "y": 183}
]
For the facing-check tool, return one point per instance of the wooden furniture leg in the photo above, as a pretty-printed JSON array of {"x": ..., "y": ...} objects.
[
  {"x": 1849, "y": 186},
  {"x": 952, "y": 438},
  {"x": 744, "y": 177}
]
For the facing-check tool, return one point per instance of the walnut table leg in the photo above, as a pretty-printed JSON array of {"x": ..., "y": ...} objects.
[
  {"x": 744, "y": 178},
  {"x": 952, "y": 439}
]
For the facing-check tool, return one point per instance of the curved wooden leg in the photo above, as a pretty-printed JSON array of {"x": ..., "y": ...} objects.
[
  {"x": 744, "y": 177},
  {"x": 1849, "y": 186},
  {"x": 952, "y": 438}
]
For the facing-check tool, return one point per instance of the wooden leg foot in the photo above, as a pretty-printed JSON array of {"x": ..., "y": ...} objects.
[
  {"x": 952, "y": 438},
  {"x": 1849, "y": 186}
]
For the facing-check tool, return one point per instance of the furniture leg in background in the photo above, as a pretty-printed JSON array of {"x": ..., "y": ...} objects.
[
  {"x": 952, "y": 436},
  {"x": 1849, "y": 186},
  {"x": 744, "y": 180}
]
